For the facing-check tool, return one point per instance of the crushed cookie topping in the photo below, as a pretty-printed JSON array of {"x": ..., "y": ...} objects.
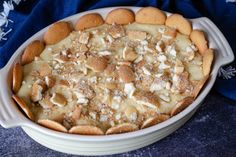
[
  {"x": 160, "y": 46},
  {"x": 97, "y": 64},
  {"x": 58, "y": 99},
  {"x": 116, "y": 31},
  {"x": 126, "y": 74},
  {"x": 84, "y": 37},
  {"x": 104, "y": 53},
  {"x": 36, "y": 92},
  {"x": 129, "y": 54},
  {"x": 112, "y": 74},
  {"x": 129, "y": 89}
]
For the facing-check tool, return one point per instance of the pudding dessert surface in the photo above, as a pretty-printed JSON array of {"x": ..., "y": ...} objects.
[{"x": 113, "y": 77}]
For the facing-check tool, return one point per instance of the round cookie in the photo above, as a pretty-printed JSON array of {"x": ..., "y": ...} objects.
[
  {"x": 154, "y": 120},
  {"x": 207, "y": 61},
  {"x": 120, "y": 16},
  {"x": 180, "y": 23},
  {"x": 122, "y": 128},
  {"x": 181, "y": 105},
  {"x": 150, "y": 15},
  {"x": 17, "y": 75},
  {"x": 57, "y": 32},
  {"x": 198, "y": 38},
  {"x": 52, "y": 125},
  {"x": 32, "y": 50},
  {"x": 88, "y": 21},
  {"x": 199, "y": 86},
  {"x": 86, "y": 130},
  {"x": 23, "y": 106}
]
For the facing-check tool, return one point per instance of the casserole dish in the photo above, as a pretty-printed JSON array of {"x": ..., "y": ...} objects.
[{"x": 10, "y": 115}]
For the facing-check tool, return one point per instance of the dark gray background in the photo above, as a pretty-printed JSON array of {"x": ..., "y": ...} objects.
[{"x": 210, "y": 132}]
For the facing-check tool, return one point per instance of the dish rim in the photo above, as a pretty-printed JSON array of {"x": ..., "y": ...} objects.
[{"x": 25, "y": 122}]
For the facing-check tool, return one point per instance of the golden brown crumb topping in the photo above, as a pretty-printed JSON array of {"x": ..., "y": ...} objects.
[{"x": 112, "y": 75}]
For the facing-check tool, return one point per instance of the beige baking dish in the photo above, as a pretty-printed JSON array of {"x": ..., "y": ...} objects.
[{"x": 11, "y": 116}]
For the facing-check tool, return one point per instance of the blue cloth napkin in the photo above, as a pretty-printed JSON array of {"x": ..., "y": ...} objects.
[{"x": 20, "y": 19}]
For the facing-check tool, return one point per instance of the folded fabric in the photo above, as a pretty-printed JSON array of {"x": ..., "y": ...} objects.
[{"x": 19, "y": 20}]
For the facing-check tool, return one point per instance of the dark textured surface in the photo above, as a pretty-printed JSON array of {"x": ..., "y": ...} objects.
[{"x": 210, "y": 132}]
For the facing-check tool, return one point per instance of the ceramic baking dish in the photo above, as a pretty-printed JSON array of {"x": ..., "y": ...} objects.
[{"x": 11, "y": 116}]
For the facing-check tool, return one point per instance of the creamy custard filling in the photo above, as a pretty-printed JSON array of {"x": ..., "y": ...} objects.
[{"x": 112, "y": 74}]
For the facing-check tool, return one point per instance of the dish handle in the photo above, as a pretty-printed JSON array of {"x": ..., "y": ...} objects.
[
  {"x": 5, "y": 118},
  {"x": 220, "y": 43},
  {"x": 8, "y": 118}
]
